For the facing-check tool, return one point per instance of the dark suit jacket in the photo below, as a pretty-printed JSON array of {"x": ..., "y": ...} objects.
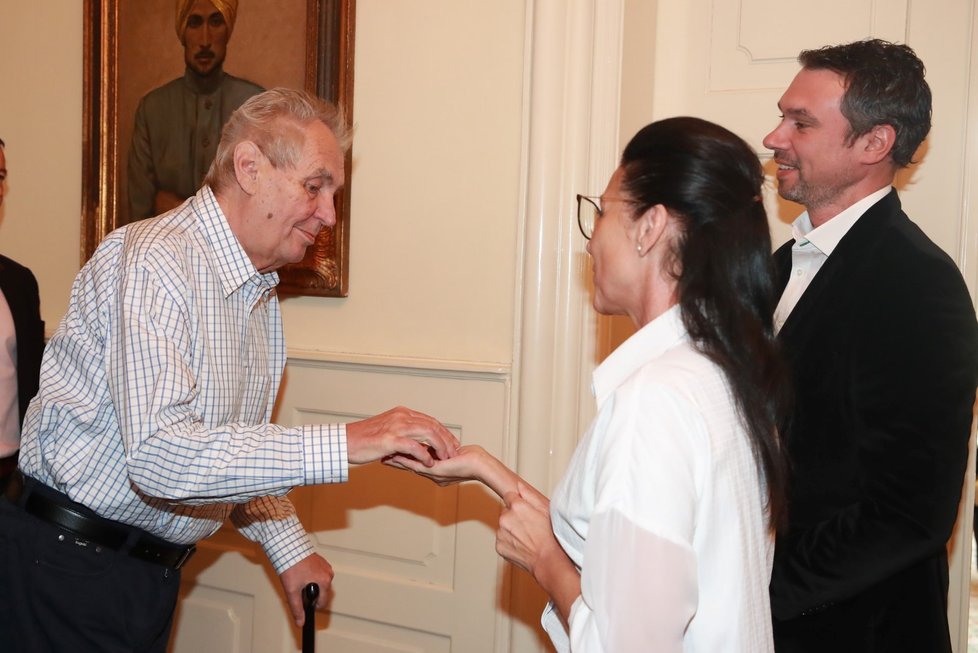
[
  {"x": 883, "y": 349},
  {"x": 20, "y": 290}
]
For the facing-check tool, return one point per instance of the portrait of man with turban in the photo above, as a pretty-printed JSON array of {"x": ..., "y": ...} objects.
[{"x": 178, "y": 125}]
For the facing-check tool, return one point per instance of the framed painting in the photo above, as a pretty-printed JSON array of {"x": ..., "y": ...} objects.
[{"x": 132, "y": 47}]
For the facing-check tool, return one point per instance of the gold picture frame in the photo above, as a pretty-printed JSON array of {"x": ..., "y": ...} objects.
[{"x": 127, "y": 52}]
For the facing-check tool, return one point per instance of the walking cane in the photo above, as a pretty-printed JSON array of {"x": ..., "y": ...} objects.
[{"x": 309, "y": 595}]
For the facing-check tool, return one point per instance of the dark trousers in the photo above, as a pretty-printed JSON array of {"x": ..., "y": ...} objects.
[
  {"x": 8, "y": 465},
  {"x": 59, "y": 594}
]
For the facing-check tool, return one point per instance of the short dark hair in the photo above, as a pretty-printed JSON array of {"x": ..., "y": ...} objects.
[
  {"x": 710, "y": 180},
  {"x": 884, "y": 86}
]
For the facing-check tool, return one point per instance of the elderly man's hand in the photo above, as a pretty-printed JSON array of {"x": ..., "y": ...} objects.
[
  {"x": 311, "y": 569},
  {"x": 399, "y": 431}
]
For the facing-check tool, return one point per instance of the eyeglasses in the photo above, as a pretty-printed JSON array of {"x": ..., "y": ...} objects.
[{"x": 589, "y": 211}]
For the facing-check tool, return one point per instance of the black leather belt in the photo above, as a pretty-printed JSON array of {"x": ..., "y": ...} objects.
[{"x": 55, "y": 508}]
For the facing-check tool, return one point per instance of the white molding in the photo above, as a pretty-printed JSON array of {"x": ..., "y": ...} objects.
[
  {"x": 570, "y": 145},
  {"x": 967, "y": 260},
  {"x": 397, "y": 364},
  {"x": 968, "y": 254}
]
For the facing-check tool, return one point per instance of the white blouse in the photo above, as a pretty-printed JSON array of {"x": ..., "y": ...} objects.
[{"x": 663, "y": 509}]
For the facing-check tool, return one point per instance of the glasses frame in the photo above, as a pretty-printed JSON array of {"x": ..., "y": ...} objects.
[{"x": 595, "y": 201}]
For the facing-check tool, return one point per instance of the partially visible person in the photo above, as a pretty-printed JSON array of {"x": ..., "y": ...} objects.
[
  {"x": 880, "y": 332},
  {"x": 661, "y": 533},
  {"x": 178, "y": 125},
  {"x": 151, "y": 426},
  {"x": 21, "y": 344}
]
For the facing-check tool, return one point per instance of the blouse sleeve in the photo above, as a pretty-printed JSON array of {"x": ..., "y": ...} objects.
[
  {"x": 638, "y": 590},
  {"x": 639, "y": 569}
]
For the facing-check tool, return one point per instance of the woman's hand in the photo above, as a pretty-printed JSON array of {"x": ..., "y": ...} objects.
[
  {"x": 525, "y": 535},
  {"x": 526, "y": 539},
  {"x": 468, "y": 464}
]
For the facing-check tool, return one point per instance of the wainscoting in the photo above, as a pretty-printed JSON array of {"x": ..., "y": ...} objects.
[{"x": 415, "y": 564}]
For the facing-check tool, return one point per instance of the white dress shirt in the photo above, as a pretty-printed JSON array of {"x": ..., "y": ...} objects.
[
  {"x": 9, "y": 402},
  {"x": 813, "y": 246},
  {"x": 663, "y": 509},
  {"x": 158, "y": 386}
]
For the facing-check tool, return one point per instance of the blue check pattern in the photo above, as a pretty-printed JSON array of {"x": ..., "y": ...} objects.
[{"x": 158, "y": 387}]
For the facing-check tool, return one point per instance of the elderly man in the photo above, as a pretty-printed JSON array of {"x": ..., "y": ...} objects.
[
  {"x": 151, "y": 424},
  {"x": 880, "y": 333},
  {"x": 178, "y": 125}
]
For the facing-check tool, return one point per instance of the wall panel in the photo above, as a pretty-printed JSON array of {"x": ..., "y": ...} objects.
[{"x": 415, "y": 564}]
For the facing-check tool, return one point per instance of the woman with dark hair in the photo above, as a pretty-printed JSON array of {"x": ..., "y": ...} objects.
[{"x": 660, "y": 535}]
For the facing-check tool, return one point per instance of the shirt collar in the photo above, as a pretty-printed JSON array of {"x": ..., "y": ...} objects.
[
  {"x": 826, "y": 237},
  {"x": 648, "y": 343},
  {"x": 234, "y": 266}
]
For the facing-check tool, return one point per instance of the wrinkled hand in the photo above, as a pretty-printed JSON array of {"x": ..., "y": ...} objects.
[
  {"x": 399, "y": 431},
  {"x": 311, "y": 569},
  {"x": 525, "y": 536}
]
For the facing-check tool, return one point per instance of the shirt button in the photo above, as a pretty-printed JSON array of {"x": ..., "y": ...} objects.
[
  {"x": 207, "y": 141},
  {"x": 798, "y": 272}
]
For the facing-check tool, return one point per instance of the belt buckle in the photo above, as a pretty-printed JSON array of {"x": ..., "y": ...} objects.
[{"x": 187, "y": 555}]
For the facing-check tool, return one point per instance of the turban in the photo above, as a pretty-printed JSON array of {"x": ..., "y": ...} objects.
[{"x": 228, "y": 9}]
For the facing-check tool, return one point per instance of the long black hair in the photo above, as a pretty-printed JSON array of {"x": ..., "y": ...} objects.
[{"x": 710, "y": 180}]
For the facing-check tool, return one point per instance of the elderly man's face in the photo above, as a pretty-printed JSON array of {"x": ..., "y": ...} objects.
[
  {"x": 205, "y": 40},
  {"x": 294, "y": 204}
]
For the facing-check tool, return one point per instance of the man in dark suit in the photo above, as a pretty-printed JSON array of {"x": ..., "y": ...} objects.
[
  {"x": 21, "y": 344},
  {"x": 879, "y": 329}
]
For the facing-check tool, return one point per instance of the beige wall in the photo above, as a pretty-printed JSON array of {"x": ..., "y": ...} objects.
[
  {"x": 40, "y": 120},
  {"x": 435, "y": 181},
  {"x": 462, "y": 158}
]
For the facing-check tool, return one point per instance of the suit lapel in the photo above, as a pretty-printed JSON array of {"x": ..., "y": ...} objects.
[
  {"x": 19, "y": 300},
  {"x": 782, "y": 266},
  {"x": 8, "y": 286},
  {"x": 829, "y": 284}
]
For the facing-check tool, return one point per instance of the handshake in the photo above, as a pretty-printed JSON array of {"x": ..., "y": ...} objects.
[{"x": 409, "y": 440}]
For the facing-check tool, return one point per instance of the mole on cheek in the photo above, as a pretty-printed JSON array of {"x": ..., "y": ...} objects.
[{"x": 268, "y": 217}]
